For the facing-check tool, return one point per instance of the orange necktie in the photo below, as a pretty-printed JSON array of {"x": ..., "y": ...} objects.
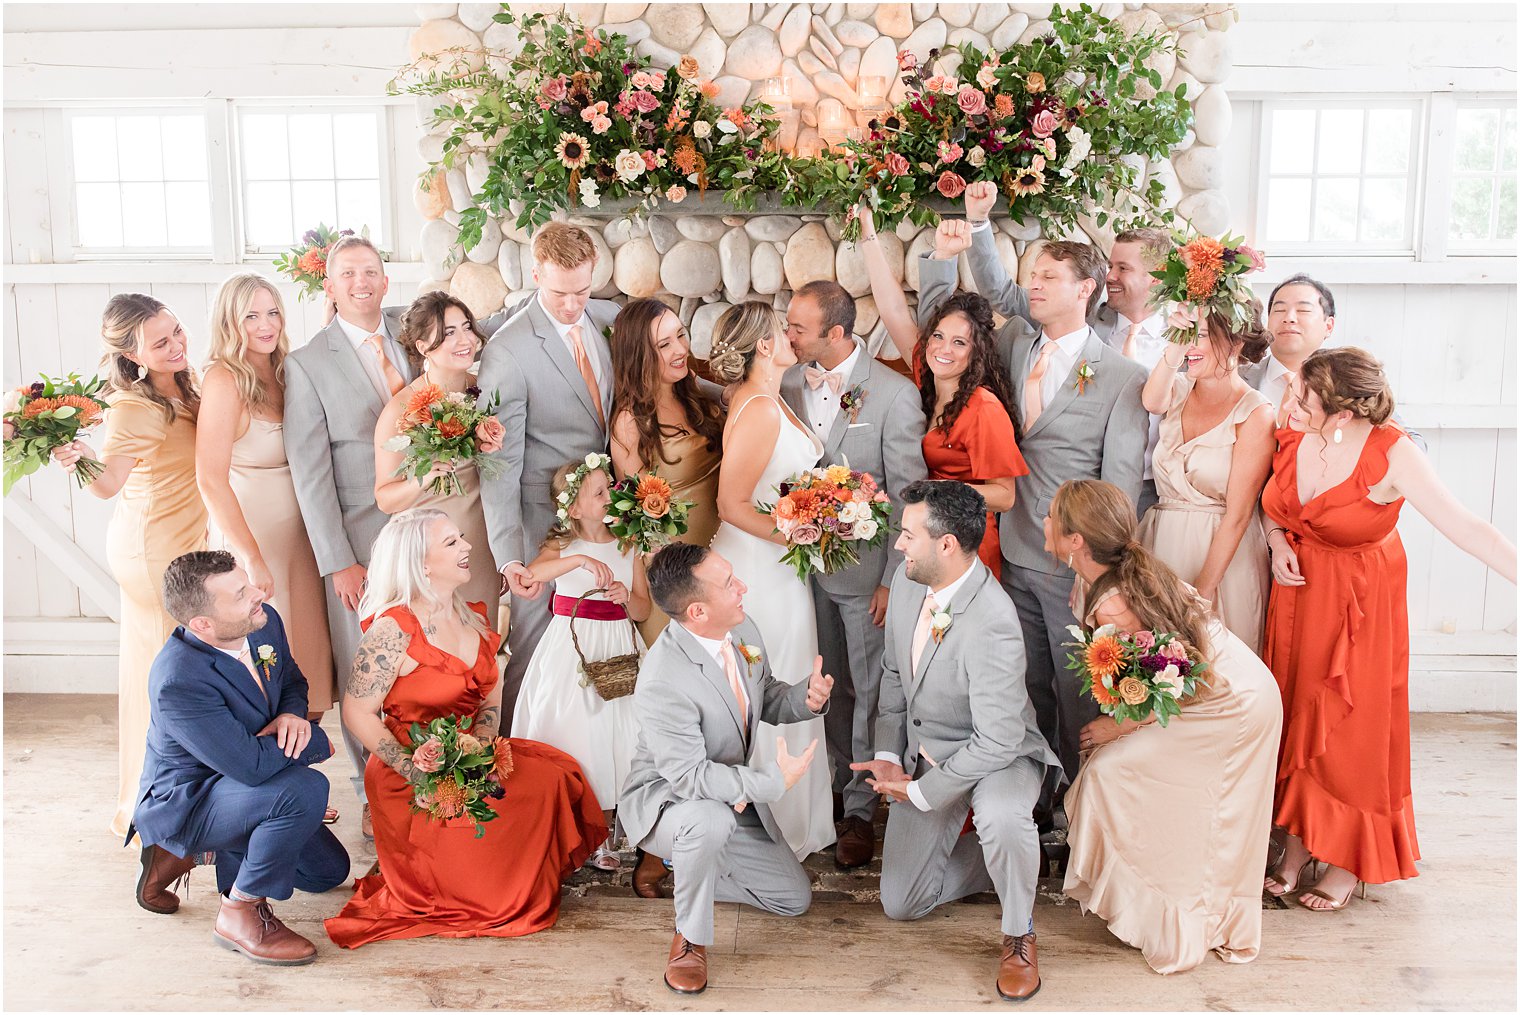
[
  {"x": 393, "y": 379},
  {"x": 587, "y": 374},
  {"x": 1130, "y": 341},
  {"x": 245, "y": 656},
  {"x": 735, "y": 683},
  {"x": 921, "y": 632},
  {"x": 1034, "y": 401}
]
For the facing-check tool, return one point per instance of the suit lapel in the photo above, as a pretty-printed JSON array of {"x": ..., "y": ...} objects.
[
  {"x": 857, "y": 377},
  {"x": 794, "y": 393},
  {"x": 352, "y": 368},
  {"x": 963, "y": 598},
  {"x": 231, "y": 670},
  {"x": 715, "y": 675},
  {"x": 1091, "y": 354},
  {"x": 1019, "y": 367},
  {"x": 559, "y": 355}
]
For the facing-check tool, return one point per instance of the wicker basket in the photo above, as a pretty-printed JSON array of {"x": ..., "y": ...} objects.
[{"x": 611, "y": 678}]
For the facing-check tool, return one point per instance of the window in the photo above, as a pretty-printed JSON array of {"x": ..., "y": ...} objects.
[
  {"x": 1341, "y": 177},
  {"x": 140, "y": 181},
  {"x": 304, "y": 168},
  {"x": 1483, "y": 178}
]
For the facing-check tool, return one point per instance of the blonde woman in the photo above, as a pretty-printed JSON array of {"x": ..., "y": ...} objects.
[
  {"x": 244, "y": 475},
  {"x": 148, "y": 451},
  {"x": 427, "y": 654}
]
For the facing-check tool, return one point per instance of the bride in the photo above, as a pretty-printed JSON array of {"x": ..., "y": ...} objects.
[{"x": 763, "y": 445}]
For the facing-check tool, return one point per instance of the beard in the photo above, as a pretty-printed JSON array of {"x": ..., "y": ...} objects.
[{"x": 226, "y": 631}]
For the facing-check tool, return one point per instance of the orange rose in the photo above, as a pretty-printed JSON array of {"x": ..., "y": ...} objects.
[
  {"x": 1132, "y": 691},
  {"x": 655, "y": 505},
  {"x": 449, "y": 426},
  {"x": 786, "y": 508},
  {"x": 688, "y": 68}
]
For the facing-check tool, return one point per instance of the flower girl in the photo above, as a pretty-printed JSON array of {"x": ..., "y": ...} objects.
[{"x": 581, "y": 554}]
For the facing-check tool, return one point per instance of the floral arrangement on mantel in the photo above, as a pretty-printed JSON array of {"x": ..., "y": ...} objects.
[
  {"x": 577, "y": 117},
  {"x": 1048, "y": 122}
]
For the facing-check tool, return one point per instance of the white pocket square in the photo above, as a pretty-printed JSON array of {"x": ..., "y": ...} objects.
[{"x": 853, "y": 426}]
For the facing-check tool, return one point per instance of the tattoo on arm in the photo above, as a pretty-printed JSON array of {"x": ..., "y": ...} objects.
[
  {"x": 378, "y": 662},
  {"x": 487, "y": 722},
  {"x": 389, "y": 751}
]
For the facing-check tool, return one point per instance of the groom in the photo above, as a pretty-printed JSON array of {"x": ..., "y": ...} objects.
[
  {"x": 704, "y": 688},
  {"x": 957, "y": 732}
]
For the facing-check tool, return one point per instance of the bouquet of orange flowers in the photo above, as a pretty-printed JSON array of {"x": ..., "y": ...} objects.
[
  {"x": 306, "y": 263},
  {"x": 442, "y": 426},
  {"x": 48, "y": 414},
  {"x": 645, "y": 513},
  {"x": 825, "y": 515},
  {"x": 1208, "y": 275},
  {"x": 1134, "y": 676},
  {"x": 459, "y": 771}
]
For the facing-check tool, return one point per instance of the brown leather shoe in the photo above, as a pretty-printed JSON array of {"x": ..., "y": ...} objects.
[
  {"x": 366, "y": 826},
  {"x": 648, "y": 875},
  {"x": 160, "y": 869},
  {"x": 686, "y": 972},
  {"x": 253, "y": 929},
  {"x": 1019, "y": 973},
  {"x": 856, "y": 845}
]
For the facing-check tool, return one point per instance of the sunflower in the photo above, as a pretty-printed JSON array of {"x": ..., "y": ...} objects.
[
  {"x": 572, "y": 151},
  {"x": 1104, "y": 657},
  {"x": 1029, "y": 181}
]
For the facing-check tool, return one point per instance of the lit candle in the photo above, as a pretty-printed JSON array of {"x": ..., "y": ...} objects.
[
  {"x": 873, "y": 92},
  {"x": 777, "y": 93}
]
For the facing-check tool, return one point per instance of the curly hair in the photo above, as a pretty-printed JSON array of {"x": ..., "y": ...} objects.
[
  {"x": 636, "y": 385},
  {"x": 985, "y": 369},
  {"x": 1347, "y": 378}
]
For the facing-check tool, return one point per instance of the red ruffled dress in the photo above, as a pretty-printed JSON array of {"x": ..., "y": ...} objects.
[
  {"x": 1339, "y": 648},
  {"x": 437, "y": 878}
]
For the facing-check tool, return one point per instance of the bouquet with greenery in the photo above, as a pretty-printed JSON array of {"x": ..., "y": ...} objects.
[
  {"x": 440, "y": 427},
  {"x": 1047, "y": 122},
  {"x": 644, "y": 513},
  {"x": 824, "y": 513},
  {"x": 306, "y": 263},
  {"x": 49, "y": 414},
  {"x": 456, "y": 773},
  {"x": 1134, "y": 676},
  {"x": 1208, "y": 277}
]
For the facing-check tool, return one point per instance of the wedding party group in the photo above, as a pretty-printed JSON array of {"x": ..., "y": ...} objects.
[{"x": 1109, "y": 558}]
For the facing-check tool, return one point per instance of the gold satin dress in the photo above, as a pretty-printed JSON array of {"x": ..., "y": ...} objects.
[{"x": 693, "y": 476}]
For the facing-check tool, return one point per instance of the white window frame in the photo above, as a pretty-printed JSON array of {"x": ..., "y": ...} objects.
[
  {"x": 1470, "y": 248},
  {"x": 1418, "y": 105},
  {"x": 381, "y": 112}
]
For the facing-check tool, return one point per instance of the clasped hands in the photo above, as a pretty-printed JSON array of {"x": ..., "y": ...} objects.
[{"x": 888, "y": 778}]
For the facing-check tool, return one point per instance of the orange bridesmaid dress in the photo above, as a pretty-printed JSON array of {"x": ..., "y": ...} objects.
[
  {"x": 1339, "y": 648},
  {"x": 437, "y": 878},
  {"x": 978, "y": 447}
]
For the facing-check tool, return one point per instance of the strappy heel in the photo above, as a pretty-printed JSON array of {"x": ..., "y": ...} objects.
[
  {"x": 1360, "y": 889},
  {"x": 1278, "y": 874}
]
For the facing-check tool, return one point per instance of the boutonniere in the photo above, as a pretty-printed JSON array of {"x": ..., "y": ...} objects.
[
  {"x": 852, "y": 400},
  {"x": 267, "y": 659},
  {"x": 939, "y": 623},
  {"x": 1084, "y": 376},
  {"x": 750, "y": 653}
]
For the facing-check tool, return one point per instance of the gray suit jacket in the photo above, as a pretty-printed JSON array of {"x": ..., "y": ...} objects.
[
  {"x": 549, "y": 418},
  {"x": 691, "y": 744},
  {"x": 1099, "y": 434},
  {"x": 886, "y": 440},
  {"x": 966, "y": 702},
  {"x": 1255, "y": 375}
]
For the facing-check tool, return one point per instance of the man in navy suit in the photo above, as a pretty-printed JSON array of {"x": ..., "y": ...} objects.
[{"x": 228, "y": 765}]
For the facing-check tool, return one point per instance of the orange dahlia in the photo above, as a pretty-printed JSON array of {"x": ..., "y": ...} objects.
[
  {"x": 1203, "y": 252},
  {"x": 1102, "y": 695},
  {"x": 502, "y": 763},
  {"x": 451, "y": 427},
  {"x": 89, "y": 410},
  {"x": 448, "y": 798},
  {"x": 423, "y": 400},
  {"x": 1201, "y": 281},
  {"x": 38, "y": 406},
  {"x": 649, "y": 485},
  {"x": 1104, "y": 657},
  {"x": 313, "y": 262}
]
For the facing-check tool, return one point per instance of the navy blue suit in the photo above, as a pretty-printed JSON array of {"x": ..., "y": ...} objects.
[{"x": 211, "y": 783}]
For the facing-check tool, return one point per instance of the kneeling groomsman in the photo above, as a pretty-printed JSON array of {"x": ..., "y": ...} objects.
[
  {"x": 957, "y": 732},
  {"x": 704, "y": 688},
  {"x": 229, "y": 761}
]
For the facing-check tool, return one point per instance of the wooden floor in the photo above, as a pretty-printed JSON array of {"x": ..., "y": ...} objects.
[{"x": 74, "y": 939}]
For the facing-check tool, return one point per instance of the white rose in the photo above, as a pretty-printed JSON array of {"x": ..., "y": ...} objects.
[
  {"x": 629, "y": 165},
  {"x": 593, "y": 460},
  {"x": 589, "y": 197},
  {"x": 977, "y": 156},
  {"x": 866, "y": 529},
  {"x": 398, "y": 443},
  {"x": 701, "y": 129},
  {"x": 1170, "y": 680},
  {"x": 1081, "y": 147},
  {"x": 849, "y": 512}
]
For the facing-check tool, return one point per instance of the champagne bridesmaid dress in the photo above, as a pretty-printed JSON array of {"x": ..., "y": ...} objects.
[
  {"x": 692, "y": 474},
  {"x": 260, "y": 477},
  {"x": 159, "y": 516}
]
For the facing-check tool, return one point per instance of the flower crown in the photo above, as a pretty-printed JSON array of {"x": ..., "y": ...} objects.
[{"x": 573, "y": 481}]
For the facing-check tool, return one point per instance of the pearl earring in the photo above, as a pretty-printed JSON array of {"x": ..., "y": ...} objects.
[{"x": 1338, "y": 435}]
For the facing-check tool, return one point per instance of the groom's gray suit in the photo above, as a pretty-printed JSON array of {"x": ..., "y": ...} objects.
[
  {"x": 885, "y": 440},
  {"x": 550, "y": 420},
  {"x": 691, "y": 767},
  {"x": 1099, "y": 433},
  {"x": 966, "y": 708}
]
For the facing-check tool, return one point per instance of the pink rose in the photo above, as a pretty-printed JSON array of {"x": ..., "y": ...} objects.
[
  {"x": 972, "y": 101},
  {"x": 1258, "y": 259},
  {"x": 880, "y": 497},
  {"x": 593, "y": 111},
  {"x": 897, "y": 165},
  {"x": 950, "y": 185},
  {"x": 489, "y": 434},
  {"x": 601, "y": 125},
  {"x": 1044, "y": 123},
  {"x": 676, "y": 194},
  {"x": 906, "y": 60},
  {"x": 650, "y": 162},
  {"x": 1174, "y": 650},
  {"x": 555, "y": 89},
  {"x": 807, "y": 534},
  {"x": 1144, "y": 640},
  {"x": 428, "y": 757},
  {"x": 646, "y": 102},
  {"x": 949, "y": 151},
  {"x": 860, "y": 495},
  {"x": 935, "y": 83}
]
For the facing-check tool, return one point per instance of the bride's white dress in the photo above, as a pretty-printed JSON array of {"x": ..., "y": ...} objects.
[{"x": 782, "y": 608}]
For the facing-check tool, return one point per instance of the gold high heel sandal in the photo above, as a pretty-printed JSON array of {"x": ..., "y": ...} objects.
[
  {"x": 1276, "y": 873},
  {"x": 1360, "y": 888}
]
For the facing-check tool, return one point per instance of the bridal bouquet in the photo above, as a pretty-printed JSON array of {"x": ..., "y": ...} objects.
[
  {"x": 460, "y": 772},
  {"x": 826, "y": 515},
  {"x": 48, "y": 414},
  {"x": 645, "y": 513},
  {"x": 306, "y": 263},
  {"x": 440, "y": 427},
  {"x": 1134, "y": 676},
  {"x": 1208, "y": 276}
]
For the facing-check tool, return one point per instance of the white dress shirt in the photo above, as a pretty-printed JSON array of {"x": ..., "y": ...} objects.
[
  {"x": 358, "y": 338},
  {"x": 942, "y": 599},
  {"x": 1068, "y": 348},
  {"x": 1274, "y": 383},
  {"x": 599, "y": 370},
  {"x": 822, "y": 404},
  {"x": 1150, "y": 344}
]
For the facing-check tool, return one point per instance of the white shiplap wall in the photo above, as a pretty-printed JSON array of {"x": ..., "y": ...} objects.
[{"x": 1446, "y": 330}]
